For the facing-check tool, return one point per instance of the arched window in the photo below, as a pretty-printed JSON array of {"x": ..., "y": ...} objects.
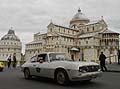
[
  {"x": 59, "y": 29},
  {"x": 87, "y": 29},
  {"x": 64, "y": 30},
  {"x": 86, "y": 42},
  {"x": 50, "y": 29},
  {"x": 93, "y": 28},
  {"x": 68, "y": 31}
]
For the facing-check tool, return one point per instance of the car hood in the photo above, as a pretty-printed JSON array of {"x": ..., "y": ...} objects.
[{"x": 72, "y": 64}]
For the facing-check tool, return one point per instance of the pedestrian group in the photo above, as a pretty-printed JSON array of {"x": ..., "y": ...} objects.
[{"x": 11, "y": 59}]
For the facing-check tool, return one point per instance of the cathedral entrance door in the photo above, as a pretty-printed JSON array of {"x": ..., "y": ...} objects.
[{"x": 72, "y": 56}]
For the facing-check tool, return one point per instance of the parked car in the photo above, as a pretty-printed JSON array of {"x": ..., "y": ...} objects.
[
  {"x": 59, "y": 67},
  {"x": 1, "y": 66}
]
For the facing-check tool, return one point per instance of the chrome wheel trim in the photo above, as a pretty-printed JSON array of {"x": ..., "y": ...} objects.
[{"x": 60, "y": 78}]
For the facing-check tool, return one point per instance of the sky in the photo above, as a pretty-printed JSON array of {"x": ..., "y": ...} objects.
[{"x": 28, "y": 17}]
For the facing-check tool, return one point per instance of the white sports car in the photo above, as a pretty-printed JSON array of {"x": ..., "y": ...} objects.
[{"x": 57, "y": 66}]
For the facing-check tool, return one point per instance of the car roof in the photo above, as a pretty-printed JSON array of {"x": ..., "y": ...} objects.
[{"x": 45, "y": 53}]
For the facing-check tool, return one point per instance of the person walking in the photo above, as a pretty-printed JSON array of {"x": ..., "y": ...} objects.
[
  {"x": 14, "y": 60},
  {"x": 102, "y": 58},
  {"x": 9, "y": 61}
]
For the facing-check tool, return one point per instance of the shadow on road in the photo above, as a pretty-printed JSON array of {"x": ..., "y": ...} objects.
[
  {"x": 76, "y": 84},
  {"x": 84, "y": 84}
]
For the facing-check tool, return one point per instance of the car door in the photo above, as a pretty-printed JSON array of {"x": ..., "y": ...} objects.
[
  {"x": 33, "y": 65},
  {"x": 43, "y": 68}
]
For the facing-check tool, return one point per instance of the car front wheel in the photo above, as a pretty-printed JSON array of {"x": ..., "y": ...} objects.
[
  {"x": 27, "y": 74},
  {"x": 62, "y": 77}
]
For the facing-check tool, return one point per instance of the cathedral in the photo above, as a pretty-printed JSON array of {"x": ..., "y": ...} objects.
[{"x": 83, "y": 40}]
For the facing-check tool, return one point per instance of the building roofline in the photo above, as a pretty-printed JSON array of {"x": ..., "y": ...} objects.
[{"x": 62, "y": 27}]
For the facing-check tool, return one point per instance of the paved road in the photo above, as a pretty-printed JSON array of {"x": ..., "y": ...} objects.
[{"x": 14, "y": 79}]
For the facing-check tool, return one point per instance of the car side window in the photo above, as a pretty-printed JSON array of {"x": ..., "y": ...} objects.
[
  {"x": 42, "y": 57},
  {"x": 33, "y": 59}
]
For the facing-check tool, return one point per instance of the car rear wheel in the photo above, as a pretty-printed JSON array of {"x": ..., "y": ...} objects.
[
  {"x": 61, "y": 77},
  {"x": 27, "y": 74}
]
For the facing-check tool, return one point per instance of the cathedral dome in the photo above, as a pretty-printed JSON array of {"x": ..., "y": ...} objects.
[
  {"x": 79, "y": 16},
  {"x": 10, "y": 36}
]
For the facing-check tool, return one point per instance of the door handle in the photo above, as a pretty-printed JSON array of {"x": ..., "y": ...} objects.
[
  {"x": 34, "y": 65},
  {"x": 38, "y": 70}
]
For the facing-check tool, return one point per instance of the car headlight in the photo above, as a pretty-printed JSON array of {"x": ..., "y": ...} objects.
[{"x": 82, "y": 69}]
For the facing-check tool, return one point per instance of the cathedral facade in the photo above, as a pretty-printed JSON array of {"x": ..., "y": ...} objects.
[
  {"x": 83, "y": 40},
  {"x": 10, "y": 44}
]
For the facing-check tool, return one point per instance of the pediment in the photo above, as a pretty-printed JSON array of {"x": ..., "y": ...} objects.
[{"x": 50, "y": 25}]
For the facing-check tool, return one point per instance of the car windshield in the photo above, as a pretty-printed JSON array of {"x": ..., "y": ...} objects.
[{"x": 58, "y": 57}]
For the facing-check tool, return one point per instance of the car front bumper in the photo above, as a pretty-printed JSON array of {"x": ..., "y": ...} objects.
[{"x": 86, "y": 76}]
